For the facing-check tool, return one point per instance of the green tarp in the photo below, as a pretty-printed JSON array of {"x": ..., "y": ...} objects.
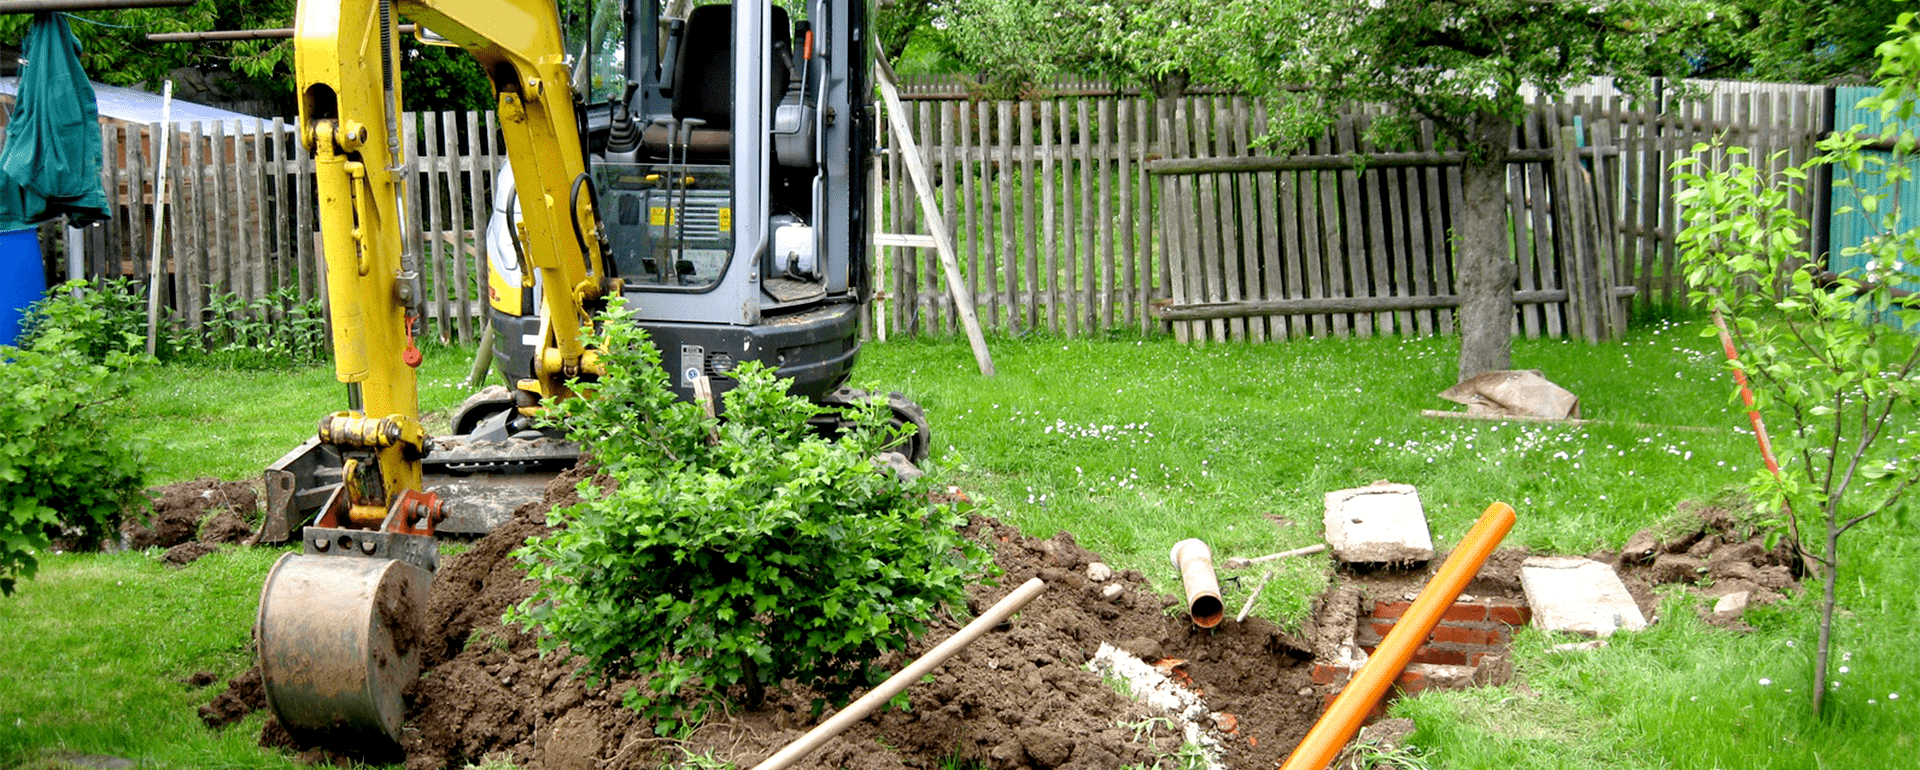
[{"x": 50, "y": 165}]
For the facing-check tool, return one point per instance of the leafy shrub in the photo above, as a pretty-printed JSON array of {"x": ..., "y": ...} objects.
[
  {"x": 65, "y": 471},
  {"x": 279, "y": 329},
  {"x": 94, "y": 320},
  {"x": 749, "y": 551}
]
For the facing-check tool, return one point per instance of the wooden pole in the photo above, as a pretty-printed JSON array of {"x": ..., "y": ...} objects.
[
  {"x": 159, "y": 217},
  {"x": 936, "y": 220}
]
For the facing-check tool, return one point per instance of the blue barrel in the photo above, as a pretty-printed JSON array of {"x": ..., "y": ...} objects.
[{"x": 23, "y": 279}]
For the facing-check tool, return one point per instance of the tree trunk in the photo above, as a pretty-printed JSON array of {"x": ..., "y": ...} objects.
[{"x": 1482, "y": 261}]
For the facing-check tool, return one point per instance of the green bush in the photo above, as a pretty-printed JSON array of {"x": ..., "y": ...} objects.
[
  {"x": 66, "y": 472},
  {"x": 749, "y": 551},
  {"x": 94, "y": 320}
]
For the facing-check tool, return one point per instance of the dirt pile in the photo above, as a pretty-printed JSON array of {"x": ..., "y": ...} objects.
[
  {"x": 1019, "y": 697},
  {"x": 194, "y": 518},
  {"x": 1715, "y": 555}
]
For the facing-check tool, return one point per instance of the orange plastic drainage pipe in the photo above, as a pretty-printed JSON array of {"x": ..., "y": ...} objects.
[{"x": 1328, "y": 736}]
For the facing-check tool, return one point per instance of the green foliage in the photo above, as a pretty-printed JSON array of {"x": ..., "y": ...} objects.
[
  {"x": 100, "y": 319},
  {"x": 749, "y": 551},
  {"x": 1152, "y": 43},
  {"x": 1802, "y": 41},
  {"x": 1840, "y": 384},
  {"x": 93, "y": 320},
  {"x": 66, "y": 471}
]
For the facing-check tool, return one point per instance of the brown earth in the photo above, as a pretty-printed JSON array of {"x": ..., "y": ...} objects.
[
  {"x": 194, "y": 518},
  {"x": 1019, "y": 697}
]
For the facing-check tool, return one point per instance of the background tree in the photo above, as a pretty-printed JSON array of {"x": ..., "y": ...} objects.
[
  {"x": 1802, "y": 41},
  {"x": 1465, "y": 65},
  {"x": 1149, "y": 43},
  {"x": 115, "y": 50}
]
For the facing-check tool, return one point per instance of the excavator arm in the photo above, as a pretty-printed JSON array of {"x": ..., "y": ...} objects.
[{"x": 338, "y": 623}]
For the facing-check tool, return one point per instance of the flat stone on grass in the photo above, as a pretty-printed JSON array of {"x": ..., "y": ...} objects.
[
  {"x": 1378, "y": 523},
  {"x": 1569, "y": 593}
]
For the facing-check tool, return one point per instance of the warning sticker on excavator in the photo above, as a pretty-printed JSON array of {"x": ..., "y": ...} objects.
[
  {"x": 657, "y": 215},
  {"x": 726, "y": 220}
]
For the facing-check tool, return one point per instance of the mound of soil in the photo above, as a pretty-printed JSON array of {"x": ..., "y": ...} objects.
[
  {"x": 1715, "y": 555},
  {"x": 193, "y": 518},
  {"x": 1019, "y": 697}
]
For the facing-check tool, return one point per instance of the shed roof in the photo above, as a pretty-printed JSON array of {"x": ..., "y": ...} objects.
[{"x": 132, "y": 105}]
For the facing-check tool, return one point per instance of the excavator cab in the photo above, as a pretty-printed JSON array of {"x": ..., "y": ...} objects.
[{"x": 729, "y": 146}]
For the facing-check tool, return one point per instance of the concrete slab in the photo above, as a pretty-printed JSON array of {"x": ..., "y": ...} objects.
[
  {"x": 1569, "y": 593},
  {"x": 1381, "y": 522}
]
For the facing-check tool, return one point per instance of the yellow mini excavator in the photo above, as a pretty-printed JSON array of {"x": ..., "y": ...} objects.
[{"x": 703, "y": 161}]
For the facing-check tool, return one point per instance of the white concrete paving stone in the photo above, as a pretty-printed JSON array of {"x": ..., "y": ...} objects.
[
  {"x": 1569, "y": 593},
  {"x": 1381, "y": 522}
]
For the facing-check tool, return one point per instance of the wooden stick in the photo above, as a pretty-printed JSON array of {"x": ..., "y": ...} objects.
[
  {"x": 1306, "y": 551},
  {"x": 1255, "y": 596},
  {"x": 159, "y": 218}
]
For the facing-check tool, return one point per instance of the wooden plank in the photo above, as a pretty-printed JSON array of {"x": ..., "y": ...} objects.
[
  {"x": 1419, "y": 253},
  {"x": 1376, "y": 200},
  {"x": 1340, "y": 161},
  {"x": 178, "y": 172},
  {"x": 263, "y": 277},
  {"x": 1434, "y": 206},
  {"x": 1048, "y": 257},
  {"x": 460, "y": 308},
  {"x": 105, "y": 238},
  {"x": 1274, "y": 243},
  {"x": 1066, "y": 280},
  {"x": 1529, "y": 252},
  {"x": 957, "y": 176},
  {"x": 1549, "y": 259},
  {"x": 1648, "y": 191},
  {"x": 1401, "y": 255},
  {"x": 971, "y": 127},
  {"x": 1148, "y": 216},
  {"x": 1606, "y": 235},
  {"x": 1212, "y": 252},
  {"x": 313, "y": 283},
  {"x": 196, "y": 204},
  {"x": 427, "y": 226},
  {"x": 938, "y": 308},
  {"x": 479, "y": 206},
  {"x": 1129, "y": 276},
  {"x": 1287, "y": 193},
  {"x": 1244, "y": 247},
  {"x": 1372, "y": 304},
  {"x": 218, "y": 202},
  {"x": 1029, "y": 177},
  {"x": 1009, "y": 256},
  {"x": 284, "y": 272},
  {"x": 1108, "y": 286},
  {"x": 1571, "y": 221},
  {"x": 1328, "y": 267},
  {"x": 144, "y": 204},
  {"x": 1353, "y": 254},
  {"x": 1089, "y": 251}
]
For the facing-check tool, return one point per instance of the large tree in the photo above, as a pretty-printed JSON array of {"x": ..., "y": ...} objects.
[
  {"x": 1149, "y": 43},
  {"x": 115, "y": 50},
  {"x": 1803, "y": 41},
  {"x": 1466, "y": 66}
]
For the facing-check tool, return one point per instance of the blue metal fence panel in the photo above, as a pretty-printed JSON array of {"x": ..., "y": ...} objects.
[{"x": 1852, "y": 228}]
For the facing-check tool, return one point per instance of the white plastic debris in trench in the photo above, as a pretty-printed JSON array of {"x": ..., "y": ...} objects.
[
  {"x": 1569, "y": 593},
  {"x": 1160, "y": 692},
  {"x": 1381, "y": 522}
]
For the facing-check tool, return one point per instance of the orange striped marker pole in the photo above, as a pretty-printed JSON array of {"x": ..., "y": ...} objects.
[{"x": 1329, "y": 735}]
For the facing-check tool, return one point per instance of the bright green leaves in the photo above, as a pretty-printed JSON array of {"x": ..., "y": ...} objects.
[
  {"x": 66, "y": 469},
  {"x": 745, "y": 552}
]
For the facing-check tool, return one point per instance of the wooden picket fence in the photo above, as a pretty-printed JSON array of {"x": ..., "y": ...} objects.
[
  {"x": 1071, "y": 215},
  {"x": 1079, "y": 215},
  {"x": 241, "y": 218}
]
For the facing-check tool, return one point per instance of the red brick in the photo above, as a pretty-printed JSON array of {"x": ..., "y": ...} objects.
[
  {"x": 1467, "y": 611},
  {"x": 1459, "y": 635},
  {"x": 1499, "y": 635},
  {"x": 1441, "y": 657},
  {"x": 1383, "y": 629},
  {"x": 1511, "y": 614},
  {"x": 1328, "y": 674},
  {"x": 1410, "y": 682},
  {"x": 1390, "y": 610}
]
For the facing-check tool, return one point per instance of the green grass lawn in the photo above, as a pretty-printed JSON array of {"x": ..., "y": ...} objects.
[{"x": 1133, "y": 444}]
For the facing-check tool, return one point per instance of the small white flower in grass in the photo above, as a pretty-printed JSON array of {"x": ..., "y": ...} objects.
[
  {"x": 1789, "y": 642},
  {"x": 1765, "y": 681},
  {"x": 1893, "y": 696},
  {"x": 1845, "y": 669}
]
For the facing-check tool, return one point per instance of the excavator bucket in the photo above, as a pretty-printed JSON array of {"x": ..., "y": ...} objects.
[{"x": 339, "y": 640}]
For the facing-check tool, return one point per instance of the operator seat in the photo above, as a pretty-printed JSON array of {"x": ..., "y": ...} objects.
[{"x": 703, "y": 80}]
